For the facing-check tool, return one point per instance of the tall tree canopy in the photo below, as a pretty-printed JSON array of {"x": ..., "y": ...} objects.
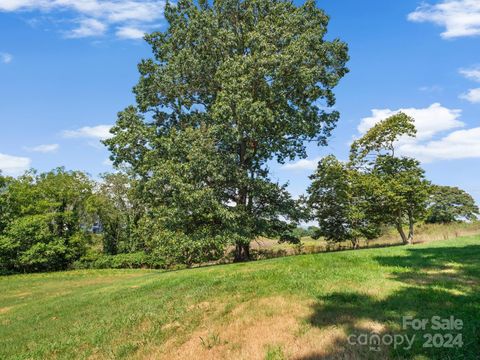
[
  {"x": 232, "y": 85},
  {"x": 448, "y": 204}
]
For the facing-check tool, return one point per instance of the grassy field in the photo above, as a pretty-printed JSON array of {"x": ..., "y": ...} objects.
[
  {"x": 265, "y": 248},
  {"x": 301, "y": 307}
]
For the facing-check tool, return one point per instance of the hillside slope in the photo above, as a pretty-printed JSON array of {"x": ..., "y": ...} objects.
[{"x": 302, "y": 307}]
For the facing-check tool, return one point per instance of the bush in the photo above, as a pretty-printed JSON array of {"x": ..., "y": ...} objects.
[
  {"x": 289, "y": 238},
  {"x": 29, "y": 245},
  {"x": 177, "y": 248},
  {"x": 44, "y": 222},
  {"x": 136, "y": 260}
]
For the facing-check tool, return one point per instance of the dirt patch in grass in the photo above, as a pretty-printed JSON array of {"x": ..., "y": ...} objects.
[
  {"x": 257, "y": 328},
  {"x": 4, "y": 310}
]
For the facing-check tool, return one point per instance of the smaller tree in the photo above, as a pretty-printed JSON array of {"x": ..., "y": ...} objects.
[
  {"x": 403, "y": 191},
  {"x": 339, "y": 201},
  {"x": 403, "y": 194},
  {"x": 119, "y": 211},
  {"x": 447, "y": 204}
]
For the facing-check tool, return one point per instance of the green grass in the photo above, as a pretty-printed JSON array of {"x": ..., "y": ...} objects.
[{"x": 116, "y": 314}]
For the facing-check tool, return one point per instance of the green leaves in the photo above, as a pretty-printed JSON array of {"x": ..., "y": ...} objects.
[
  {"x": 232, "y": 85},
  {"x": 382, "y": 138},
  {"x": 401, "y": 190},
  {"x": 375, "y": 188},
  {"x": 44, "y": 219},
  {"x": 341, "y": 201},
  {"x": 448, "y": 204}
]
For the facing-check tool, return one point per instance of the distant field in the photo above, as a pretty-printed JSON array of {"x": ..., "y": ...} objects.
[
  {"x": 301, "y": 307},
  {"x": 270, "y": 248}
]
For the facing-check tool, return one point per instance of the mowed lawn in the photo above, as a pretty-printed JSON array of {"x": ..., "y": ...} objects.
[{"x": 299, "y": 307}]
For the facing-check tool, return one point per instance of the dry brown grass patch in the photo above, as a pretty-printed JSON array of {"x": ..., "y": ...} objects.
[
  {"x": 4, "y": 310},
  {"x": 251, "y": 328}
]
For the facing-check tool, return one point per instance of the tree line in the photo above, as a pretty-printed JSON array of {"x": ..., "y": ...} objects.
[
  {"x": 62, "y": 219},
  {"x": 232, "y": 86}
]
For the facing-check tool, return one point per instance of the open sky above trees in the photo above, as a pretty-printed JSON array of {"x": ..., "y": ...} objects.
[{"x": 66, "y": 70}]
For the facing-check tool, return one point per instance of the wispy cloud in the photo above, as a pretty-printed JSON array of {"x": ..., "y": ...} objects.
[
  {"x": 460, "y": 144},
  {"x": 460, "y": 18},
  {"x": 46, "y": 148},
  {"x": 127, "y": 32},
  {"x": 107, "y": 162},
  {"x": 96, "y": 17},
  {"x": 100, "y": 132},
  {"x": 86, "y": 28},
  {"x": 303, "y": 164},
  {"x": 6, "y": 58},
  {"x": 472, "y": 73},
  {"x": 472, "y": 95},
  {"x": 13, "y": 165},
  {"x": 431, "y": 89}
]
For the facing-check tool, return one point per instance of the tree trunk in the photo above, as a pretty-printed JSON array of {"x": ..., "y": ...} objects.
[
  {"x": 411, "y": 223},
  {"x": 355, "y": 243},
  {"x": 242, "y": 252},
  {"x": 402, "y": 233},
  {"x": 400, "y": 228}
]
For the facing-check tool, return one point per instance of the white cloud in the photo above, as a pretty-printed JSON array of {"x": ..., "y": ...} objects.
[
  {"x": 107, "y": 162},
  {"x": 100, "y": 132},
  {"x": 13, "y": 165},
  {"x": 458, "y": 17},
  {"x": 86, "y": 28},
  {"x": 471, "y": 73},
  {"x": 6, "y": 58},
  {"x": 428, "y": 121},
  {"x": 430, "y": 144},
  {"x": 431, "y": 88},
  {"x": 461, "y": 144},
  {"x": 95, "y": 16},
  {"x": 473, "y": 96},
  {"x": 126, "y": 32},
  {"x": 303, "y": 164},
  {"x": 47, "y": 148}
]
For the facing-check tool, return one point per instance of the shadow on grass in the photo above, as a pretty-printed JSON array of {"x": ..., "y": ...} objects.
[{"x": 442, "y": 282}]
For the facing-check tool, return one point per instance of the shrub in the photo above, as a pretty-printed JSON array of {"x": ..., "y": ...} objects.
[
  {"x": 178, "y": 248},
  {"x": 136, "y": 260},
  {"x": 29, "y": 245}
]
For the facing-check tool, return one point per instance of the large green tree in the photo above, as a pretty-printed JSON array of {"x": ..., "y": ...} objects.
[
  {"x": 448, "y": 204},
  {"x": 233, "y": 84}
]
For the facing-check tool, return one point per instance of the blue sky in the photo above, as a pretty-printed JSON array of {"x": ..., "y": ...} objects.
[{"x": 67, "y": 67}]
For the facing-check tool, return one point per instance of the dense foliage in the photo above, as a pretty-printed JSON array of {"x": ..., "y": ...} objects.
[
  {"x": 232, "y": 85},
  {"x": 448, "y": 204},
  {"x": 44, "y": 220},
  {"x": 341, "y": 201},
  {"x": 375, "y": 188}
]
